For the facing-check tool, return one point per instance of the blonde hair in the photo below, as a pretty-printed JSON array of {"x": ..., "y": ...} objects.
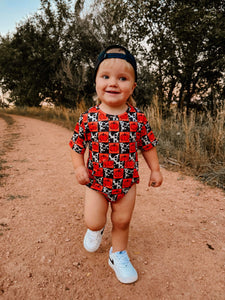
[{"x": 130, "y": 100}]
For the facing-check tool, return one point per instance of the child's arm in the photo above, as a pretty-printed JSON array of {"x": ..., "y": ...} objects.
[
  {"x": 81, "y": 171},
  {"x": 151, "y": 158}
]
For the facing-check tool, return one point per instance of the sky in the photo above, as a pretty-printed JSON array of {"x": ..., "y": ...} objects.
[{"x": 14, "y": 11}]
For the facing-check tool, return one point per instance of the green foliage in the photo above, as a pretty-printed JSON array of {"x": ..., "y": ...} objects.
[
  {"x": 27, "y": 68},
  {"x": 179, "y": 46},
  {"x": 49, "y": 57},
  {"x": 184, "y": 49}
]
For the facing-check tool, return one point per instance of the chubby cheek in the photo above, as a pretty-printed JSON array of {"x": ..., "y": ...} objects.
[
  {"x": 128, "y": 91},
  {"x": 99, "y": 88},
  {"x": 100, "y": 94}
]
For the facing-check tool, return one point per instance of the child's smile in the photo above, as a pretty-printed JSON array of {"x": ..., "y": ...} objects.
[{"x": 112, "y": 92}]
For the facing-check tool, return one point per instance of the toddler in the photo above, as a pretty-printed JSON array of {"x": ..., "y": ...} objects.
[{"x": 113, "y": 130}]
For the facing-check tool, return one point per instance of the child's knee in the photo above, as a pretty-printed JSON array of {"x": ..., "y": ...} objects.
[
  {"x": 94, "y": 224},
  {"x": 95, "y": 227},
  {"x": 122, "y": 222}
]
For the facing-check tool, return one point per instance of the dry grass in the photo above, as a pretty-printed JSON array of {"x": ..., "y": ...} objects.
[
  {"x": 60, "y": 116},
  {"x": 7, "y": 141},
  {"x": 195, "y": 144}
]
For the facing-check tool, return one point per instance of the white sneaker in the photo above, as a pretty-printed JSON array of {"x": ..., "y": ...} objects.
[
  {"x": 92, "y": 239},
  {"x": 120, "y": 263}
]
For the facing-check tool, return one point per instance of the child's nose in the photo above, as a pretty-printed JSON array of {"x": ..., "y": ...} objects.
[{"x": 112, "y": 81}]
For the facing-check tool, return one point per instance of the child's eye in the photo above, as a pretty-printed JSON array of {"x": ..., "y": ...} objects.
[
  {"x": 105, "y": 77},
  {"x": 123, "y": 78}
]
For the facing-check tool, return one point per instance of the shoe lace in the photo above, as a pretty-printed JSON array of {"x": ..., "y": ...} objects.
[
  {"x": 123, "y": 258},
  {"x": 94, "y": 236}
]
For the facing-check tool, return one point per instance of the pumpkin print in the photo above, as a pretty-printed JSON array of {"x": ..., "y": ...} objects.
[
  {"x": 113, "y": 143},
  {"x": 114, "y": 125}
]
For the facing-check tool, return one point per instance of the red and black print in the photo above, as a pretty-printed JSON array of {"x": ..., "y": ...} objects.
[{"x": 113, "y": 142}]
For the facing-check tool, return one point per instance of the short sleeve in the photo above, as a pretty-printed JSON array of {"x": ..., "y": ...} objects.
[
  {"x": 147, "y": 139},
  {"x": 78, "y": 141}
]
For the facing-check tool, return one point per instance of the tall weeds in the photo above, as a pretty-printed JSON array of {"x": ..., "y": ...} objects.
[
  {"x": 58, "y": 115},
  {"x": 195, "y": 143}
]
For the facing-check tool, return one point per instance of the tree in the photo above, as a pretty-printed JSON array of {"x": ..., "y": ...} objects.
[
  {"x": 50, "y": 56},
  {"x": 77, "y": 49},
  {"x": 24, "y": 69},
  {"x": 112, "y": 23},
  {"x": 182, "y": 51},
  {"x": 179, "y": 47},
  {"x": 199, "y": 49}
]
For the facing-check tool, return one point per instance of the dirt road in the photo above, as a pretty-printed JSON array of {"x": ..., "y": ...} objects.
[{"x": 177, "y": 235}]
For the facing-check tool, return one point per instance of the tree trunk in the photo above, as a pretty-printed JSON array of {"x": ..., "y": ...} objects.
[
  {"x": 181, "y": 99},
  {"x": 188, "y": 98}
]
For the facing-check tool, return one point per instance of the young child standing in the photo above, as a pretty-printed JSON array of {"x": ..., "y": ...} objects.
[{"x": 113, "y": 130}]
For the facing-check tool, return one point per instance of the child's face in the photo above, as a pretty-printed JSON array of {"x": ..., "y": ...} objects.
[{"x": 115, "y": 82}]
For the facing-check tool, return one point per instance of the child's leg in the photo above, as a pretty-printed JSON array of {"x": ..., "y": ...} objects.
[
  {"x": 95, "y": 210},
  {"x": 121, "y": 216}
]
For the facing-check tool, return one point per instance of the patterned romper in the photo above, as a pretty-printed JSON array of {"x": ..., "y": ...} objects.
[{"x": 113, "y": 142}]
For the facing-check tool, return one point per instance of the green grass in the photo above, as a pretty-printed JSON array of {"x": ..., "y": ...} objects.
[{"x": 194, "y": 145}]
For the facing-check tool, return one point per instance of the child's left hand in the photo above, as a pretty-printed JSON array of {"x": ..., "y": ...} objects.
[{"x": 156, "y": 179}]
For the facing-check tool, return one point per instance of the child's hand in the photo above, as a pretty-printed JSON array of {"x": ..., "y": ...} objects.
[
  {"x": 82, "y": 175},
  {"x": 156, "y": 179}
]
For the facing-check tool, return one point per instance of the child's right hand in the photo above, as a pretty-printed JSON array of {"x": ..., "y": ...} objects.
[
  {"x": 156, "y": 179},
  {"x": 81, "y": 173}
]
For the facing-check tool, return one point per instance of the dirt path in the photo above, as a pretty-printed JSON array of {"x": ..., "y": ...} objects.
[{"x": 177, "y": 236}]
